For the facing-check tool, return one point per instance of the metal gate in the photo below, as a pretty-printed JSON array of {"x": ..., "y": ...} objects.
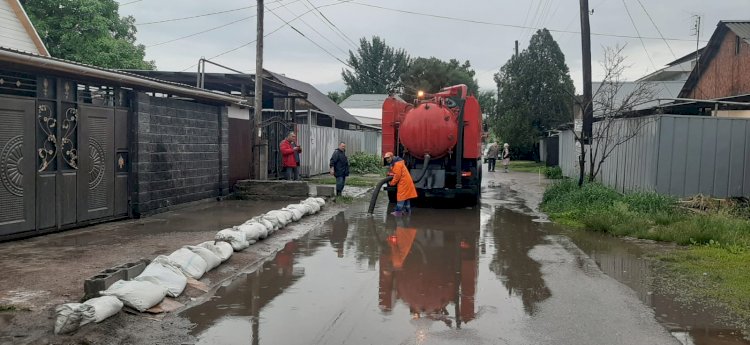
[
  {"x": 63, "y": 153},
  {"x": 275, "y": 128}
]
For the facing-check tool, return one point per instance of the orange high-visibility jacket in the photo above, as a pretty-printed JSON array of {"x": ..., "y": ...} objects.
[{"x": 402, "y": 180}]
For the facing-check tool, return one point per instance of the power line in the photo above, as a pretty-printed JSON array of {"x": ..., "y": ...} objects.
[
  {"x": 315, "y": 30},
  {"x": 128, "y": 3},
  {"x": 345, "y": 37},
  {"x": 265, "y": 35},
  {"x": 657, "y": 28},
  {"x": 639, "y": 34},
  {"x": 505, "y": 25},
  {"x": 195, "y": 16}
]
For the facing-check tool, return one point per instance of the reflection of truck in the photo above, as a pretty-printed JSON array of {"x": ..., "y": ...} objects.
[{"x": 440, "y": 140}]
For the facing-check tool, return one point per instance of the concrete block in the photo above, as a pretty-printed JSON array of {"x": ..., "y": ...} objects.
[
  {"x": 325, "y": 191},
  {"x": 102, "y": 281},
  {"x": 272, "y": 190},
  {"x": 133, "y": 269}
]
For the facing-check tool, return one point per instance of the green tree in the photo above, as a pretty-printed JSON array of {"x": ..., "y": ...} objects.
[
  {"x": 88, "y": 31},
  {"x": 488, "y": 102},
  {"x": 536, "y": 94},
  {"x": 377, "y": 67},
  {"x": 336, "y": 96},
  {"x": 432, "y": 74}
]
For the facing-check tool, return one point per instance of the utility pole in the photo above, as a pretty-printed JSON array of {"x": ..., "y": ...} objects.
[
  {"x": 588, "y": 111},
  {"x": 516, "y": 48},
  {"x": 697, "y": 45},
  {"x": 258, "y": 97}
]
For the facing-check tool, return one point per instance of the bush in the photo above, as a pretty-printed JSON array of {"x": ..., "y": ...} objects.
[
  {"x": 364, "y": 163},
  {"x": 553, "y": 173}
]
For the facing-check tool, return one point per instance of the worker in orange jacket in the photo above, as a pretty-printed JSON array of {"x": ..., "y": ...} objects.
[{"x": 404, "y": 184}]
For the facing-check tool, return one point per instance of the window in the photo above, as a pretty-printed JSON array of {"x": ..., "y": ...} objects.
[{"x": 737, "y": 45}]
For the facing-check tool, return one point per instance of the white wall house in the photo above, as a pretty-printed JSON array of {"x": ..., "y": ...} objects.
[{"x": 16, "y": 30}]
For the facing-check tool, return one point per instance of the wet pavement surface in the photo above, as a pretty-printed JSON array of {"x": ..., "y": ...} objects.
[{"x": 493, "y": 274}]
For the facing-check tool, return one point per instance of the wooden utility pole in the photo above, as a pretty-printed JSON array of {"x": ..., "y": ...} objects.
[
  {"x": 258, "y": 97},
  {"x": 516, "y": 48},
  {"x": 588, "y": 110}
]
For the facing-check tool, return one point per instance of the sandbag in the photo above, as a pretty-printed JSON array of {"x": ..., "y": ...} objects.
[
  {"x": 104, "y": 307},
  {"x": 191, "y": 264},
  {"x": 165, "y": 272},
  {"x": 297, "y": 214},
  {"x": 71, "y": 316},
  {"x": 261, "y": 220},
  {"x": 321, "y": 202},
  {"x": 139, "y": 295},
  {"x": 313, "y": 205},
  {"x": 274, "y": 220},
  {"x": 253, "y": 231},
  {"x": 212, "y": 260},
  {"x": 283, "y": 216},
  {"x": 233, "y": 237},
  {"x": 305, "y": 209},
  {"x": 223, "y": 250}
]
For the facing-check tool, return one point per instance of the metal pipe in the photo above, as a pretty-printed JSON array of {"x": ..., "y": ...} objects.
[
  {"x": 460, "y": 144},
  {"x": 122, "y": 78},
  {"x": 424, "y": 170}
]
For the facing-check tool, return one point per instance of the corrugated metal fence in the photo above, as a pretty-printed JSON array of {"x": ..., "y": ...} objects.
[
  {"x": 318, "y": 144},
  {"x": 674, "y": 155}
]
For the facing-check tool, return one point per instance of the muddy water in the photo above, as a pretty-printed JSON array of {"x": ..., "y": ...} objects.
[{"x": 489, "y": 275}]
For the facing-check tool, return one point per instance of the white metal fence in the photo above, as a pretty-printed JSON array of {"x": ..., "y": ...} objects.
[{"x": 318, "y": 144}]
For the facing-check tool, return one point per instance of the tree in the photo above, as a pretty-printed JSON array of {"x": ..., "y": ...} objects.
[
  {"x": 535, "y": 94},
  {"x": 377, "y": 67},
  {"x": 88, "y": 31},
  {"x": 432, "y": 74},
  {"x": 611, "y": 102},
  {"x": 488, "y": 102},
  {"x": 337, "y": 97}
]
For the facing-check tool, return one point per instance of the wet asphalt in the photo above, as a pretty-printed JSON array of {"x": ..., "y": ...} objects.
[{"x": 492, "y": 274}]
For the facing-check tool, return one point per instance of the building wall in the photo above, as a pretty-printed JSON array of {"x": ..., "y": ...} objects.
[
  {"x": 12, "y": 33},
  {"x": 728, "y": 74},
  {"x": 181, "y": 153}
]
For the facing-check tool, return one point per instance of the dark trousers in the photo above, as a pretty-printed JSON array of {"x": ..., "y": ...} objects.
[
  {"x": 291, "y": 173},
  {"x": 491, "y": 164},
  {"x": 340, "y": 181}
]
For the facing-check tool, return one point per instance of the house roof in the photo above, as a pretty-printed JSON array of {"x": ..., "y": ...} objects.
[
  {"x": 316, "y": 98},
  {"x": 20, "y": 14},
  {"x": 688, "y": 57},
  {"x": 365, "y": 101},
  {"x": 44, "y": 64},
  {"x": 662, "y": 90},
  {"x": 740, "y": 28}
]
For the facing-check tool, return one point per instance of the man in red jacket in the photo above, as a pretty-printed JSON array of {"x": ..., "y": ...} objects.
[{"x": 290, "y": 156}]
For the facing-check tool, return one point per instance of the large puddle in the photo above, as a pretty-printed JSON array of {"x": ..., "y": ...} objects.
[{"x": 455, "y": 276}]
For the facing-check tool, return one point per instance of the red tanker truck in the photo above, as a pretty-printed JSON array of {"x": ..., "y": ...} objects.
[{"x": 439, "y": 136}]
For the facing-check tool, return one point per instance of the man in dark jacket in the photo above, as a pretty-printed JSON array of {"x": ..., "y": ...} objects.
[{"x": 340, "y": 167}]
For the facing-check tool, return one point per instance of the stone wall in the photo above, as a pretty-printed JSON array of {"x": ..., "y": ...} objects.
[{"x": 180, "y": 153}]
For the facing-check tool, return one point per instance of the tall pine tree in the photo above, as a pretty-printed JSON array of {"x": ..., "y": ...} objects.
[
  {"x": 377, "y": 68},
  {"x": 535, "y": 94}
]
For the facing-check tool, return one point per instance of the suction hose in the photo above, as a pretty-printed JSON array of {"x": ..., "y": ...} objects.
[{"x": 382, "y": 182}]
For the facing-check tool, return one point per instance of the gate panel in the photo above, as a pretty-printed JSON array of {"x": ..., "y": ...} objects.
[
  {"x": 68, "y": 162},
  {"x": 46, "y": 164},
  {"x": 96, "y": 182},
  {"x": 17, "y": 185},
  {"x": 122, "y": 162}
]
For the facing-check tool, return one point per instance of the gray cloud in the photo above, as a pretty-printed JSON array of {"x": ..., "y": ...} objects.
[{"x": 487, "y": 47}]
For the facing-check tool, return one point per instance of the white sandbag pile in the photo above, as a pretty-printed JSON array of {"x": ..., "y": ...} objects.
[
  {"x": 71, "y": 316},
  {"x": 139, "y": 295},
  {"x": 212, "y": 260},
  {"x": 253, "y": 231},
  {"x": 234, "y": 237},
  {"x": 166, "y": 273},
  {"x": 297, "y": 214},
  {"x": 191, "y": 264},
  {"x": 222, "y": 249},
  {"x": 104, "y": 307},
  {"x": 304, "y": 208}
]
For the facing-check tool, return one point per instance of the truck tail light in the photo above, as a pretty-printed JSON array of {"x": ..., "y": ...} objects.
[{"x": 466, "y": 173}]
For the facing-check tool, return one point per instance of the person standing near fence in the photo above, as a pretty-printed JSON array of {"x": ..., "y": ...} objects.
[
  {"x": 506, "y": 156},
  {"x": 492, "y": 153},
  {"x": 340, "y": 167},
  {"x": 290, "y": 157}
]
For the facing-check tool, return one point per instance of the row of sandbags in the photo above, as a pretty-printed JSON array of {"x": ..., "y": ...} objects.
[{"x": 167, "y": 275}]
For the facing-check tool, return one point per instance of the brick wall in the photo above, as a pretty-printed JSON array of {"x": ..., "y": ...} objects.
[{"x": 180, "y": 153}]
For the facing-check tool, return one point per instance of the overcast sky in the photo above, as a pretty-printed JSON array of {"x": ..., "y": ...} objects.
[{"x": 487, "y": 46}]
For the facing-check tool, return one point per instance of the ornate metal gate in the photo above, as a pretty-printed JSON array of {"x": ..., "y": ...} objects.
[
  {"x": 275, "y": 128},
  {"x": 63, "y": 154}
]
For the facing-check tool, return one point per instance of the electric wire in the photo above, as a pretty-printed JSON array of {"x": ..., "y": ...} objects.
[
  {"x": 345, "y": 36},
  {"x": 315, "y": 30}
]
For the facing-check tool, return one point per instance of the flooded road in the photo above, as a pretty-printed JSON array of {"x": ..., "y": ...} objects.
[{"x": 488, "y": 275}]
